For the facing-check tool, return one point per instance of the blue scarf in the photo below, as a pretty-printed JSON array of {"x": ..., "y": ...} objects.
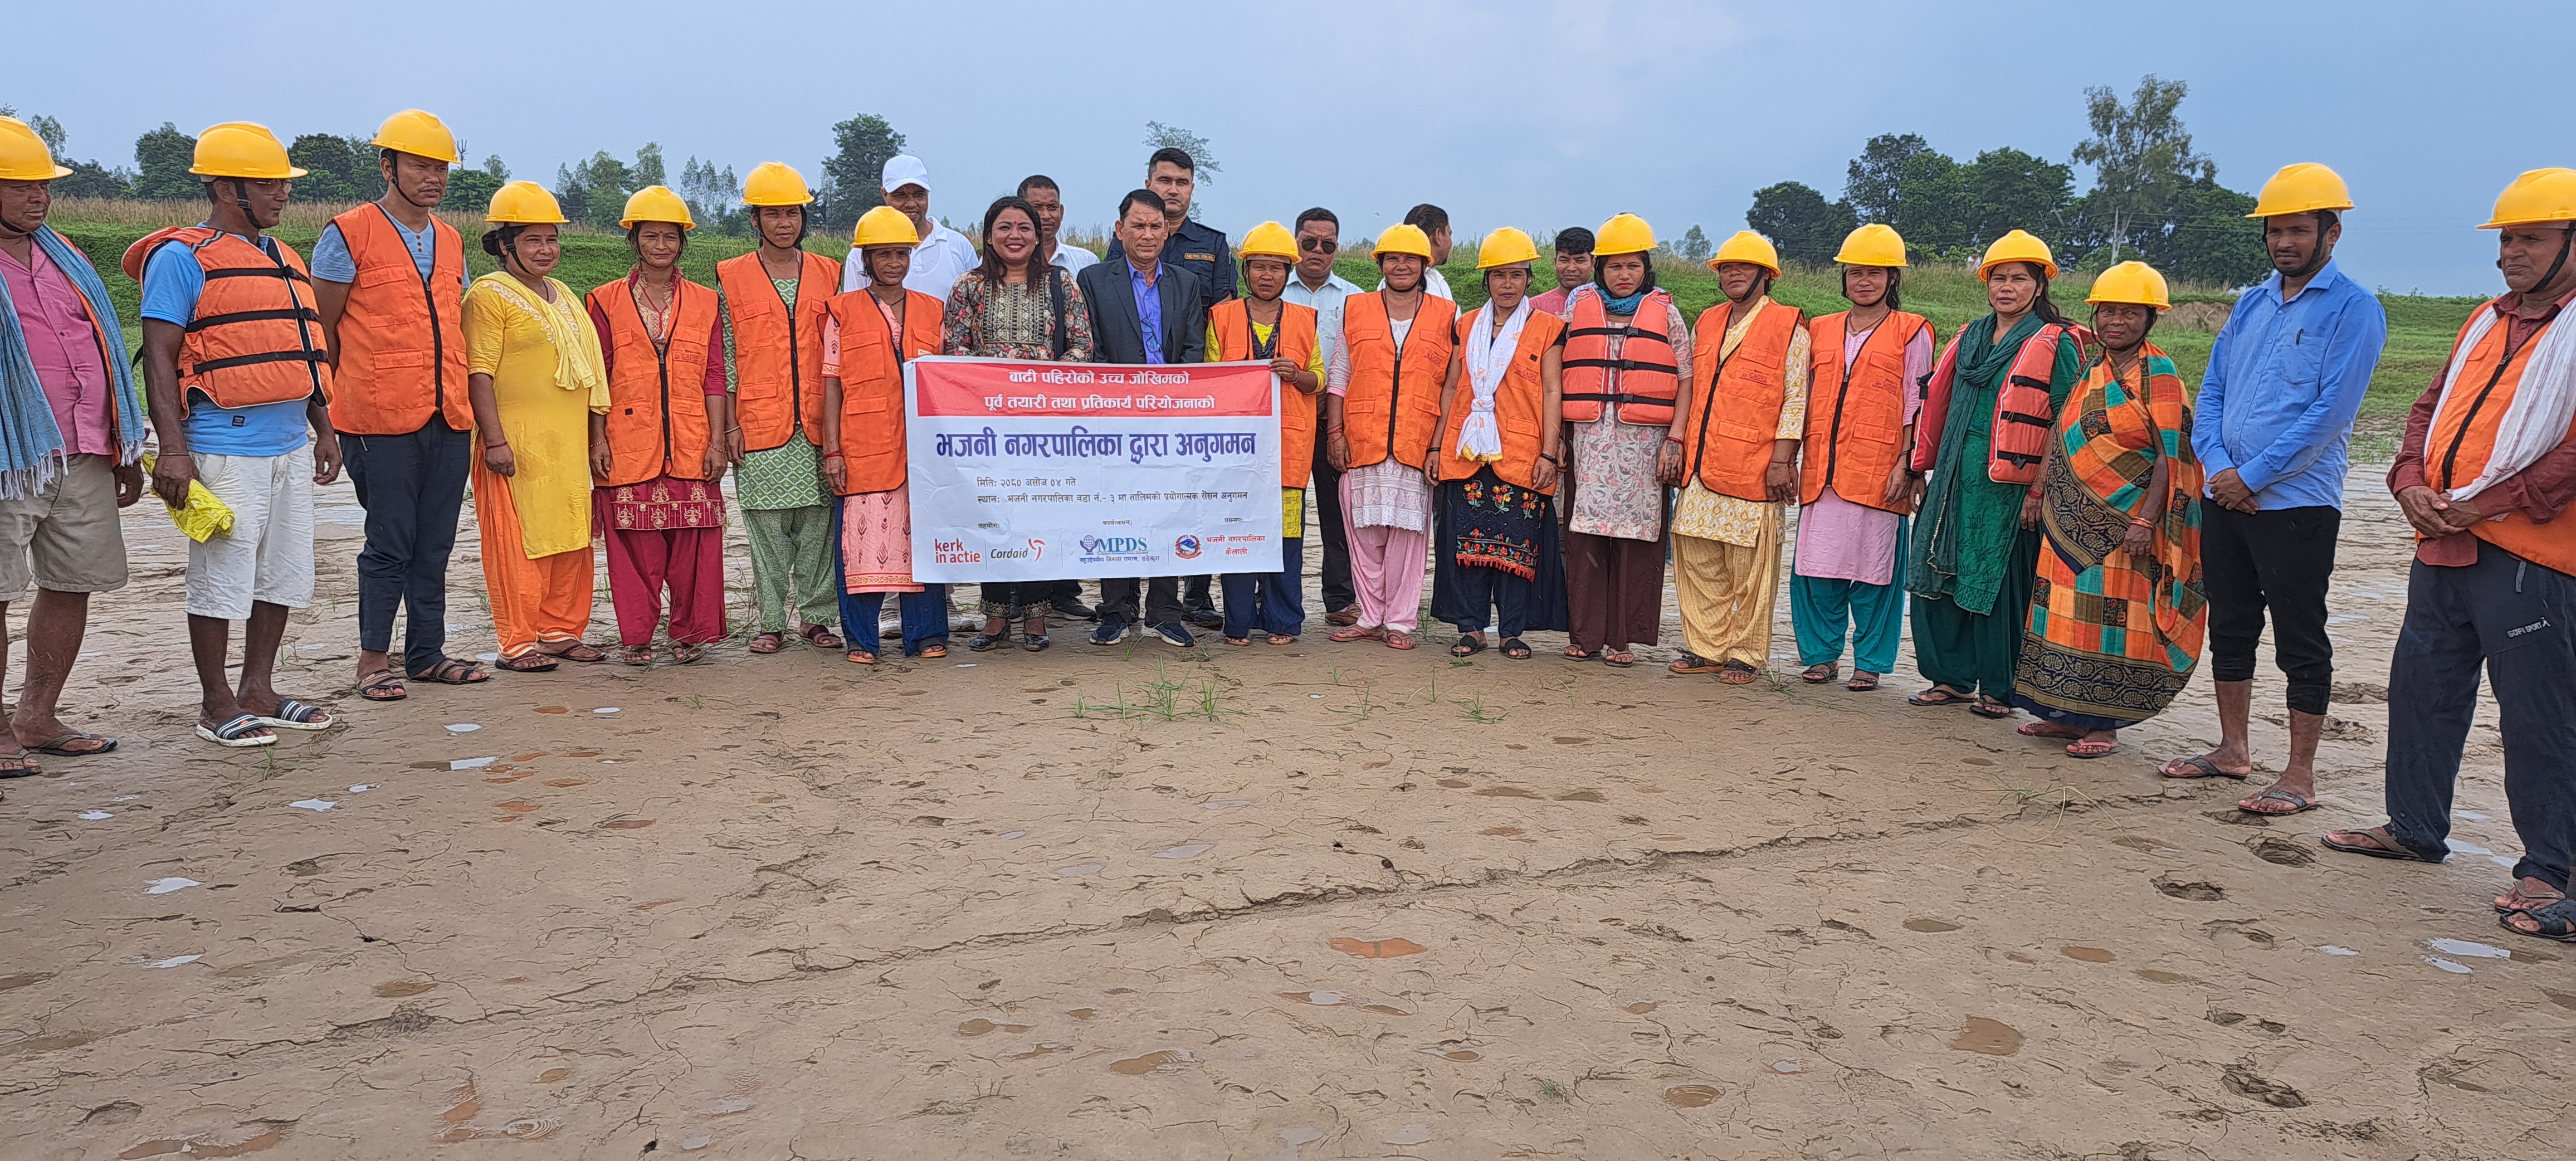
[
  {"x": 31, "y": 443},
  {"x": 1629, "y": 304}
]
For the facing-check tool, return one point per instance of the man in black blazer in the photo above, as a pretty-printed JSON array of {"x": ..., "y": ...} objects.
[{"x": 1143, "y": 310}]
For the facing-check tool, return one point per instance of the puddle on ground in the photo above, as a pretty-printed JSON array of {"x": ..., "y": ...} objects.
[
  {"x": 527, "y": 757},
  {"x": 1455, "y": 783},
  {"x": 1008, "y": 835},
  {"x": 980, "y": 1026},
  {"x": 395, "y": 989},
  {"x": 1930, "y": 925},
  {"x": 1503, "y": 831},
  {"x": 523, "y": 1129},
  {"x": 1082, "y": 1013},
  {"x": 1460, "y": 1055},
  {"x": 581, "y": 753},
  {"x": 1325, "y": 999},
  {"x": 1788, "y": 1067},
  {"x": 1991, "y": 1037},
  {"x": 1385, "y": 1009},
  {"x": 514, "y": 806},
  {"x": 2018, "y": 957},
  {"x": 1226, "y": 804},
  {"x": 552, "y": 1075},
  {"x": 1408, "y": 1135},
  {"x": 1184, "y": 851},
  {"x": 626, "y": 824},
  {"x": 176, "y": 961},
  {"x": 728, "y": 1106},
  {"x": 217, "y": 1144},
  {"x": 693, "y": 1144},
  {"x": 165, "y": 886},
  {"x": 1082, "y": 869},
  {"x": 2087, "y": 954},
  {"x": 363, "y": 787},
  {"x": 2332, "y": 949},
  {"x": 655, "y": 903},
  {"x": 95, "y": 816},
  {"x": 566, "y": 783},
  {"x": 1691, "y": 1096},
  {"x": 1376, "y": 948},
  {"x": 1641, "y": 1007},
  {"x": 2153, "y": 976},
  {"x": 473, "y": 763},
  {"x": 462, "y": 1103},
  {"x": 23, "y": 979},
  {"x": 2462, "y": 947},
  {"x": 554, "y": 709},
  {"x": 1581, "y": 796},
  {"x": 2453, "y": 967},
  {"x": 1505, "y": 792},
  {"x": 1168, "y": 1060},
  {"x": 316, "y": 805},
  {"x": 606, "y": 710},
  {"x": 462, "y": 727}
]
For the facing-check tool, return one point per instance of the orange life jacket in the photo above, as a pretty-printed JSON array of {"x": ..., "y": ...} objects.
[
  {"x": 1391, "y": 403},
  {"x": 1856, "y": 414},
  {"x": 257, "y": 338},
  {"x": 402, "y": 346},
  {"x": 873, "y": 453},
  {"x": 1520, "y": 404},
  {"x": 657, "y": 397},
  {"x": 2018, "y": 438},
  {"x": 1294, "y": 340},
  {"x": 777, "y": 353},
  {"x": 1735, "y": 404},
  {"x": 1649, "y": 378},
  {"x": 2463, "y": 437}
]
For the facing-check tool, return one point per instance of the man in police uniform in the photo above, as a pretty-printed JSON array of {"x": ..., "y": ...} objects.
[{"x": 1173, "y": 176}]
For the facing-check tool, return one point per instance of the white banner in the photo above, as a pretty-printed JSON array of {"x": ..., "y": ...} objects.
[{"x": 1045, "y": 471}]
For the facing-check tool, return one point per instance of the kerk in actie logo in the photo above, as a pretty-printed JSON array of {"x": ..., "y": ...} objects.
[{"x": 1186, "y": 547}]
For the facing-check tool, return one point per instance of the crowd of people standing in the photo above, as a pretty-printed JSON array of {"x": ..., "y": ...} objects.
[{"x": 2069, "y": 523}]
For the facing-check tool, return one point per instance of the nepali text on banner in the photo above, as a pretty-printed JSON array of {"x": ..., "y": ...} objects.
[{"x": 1027, "y": 470}]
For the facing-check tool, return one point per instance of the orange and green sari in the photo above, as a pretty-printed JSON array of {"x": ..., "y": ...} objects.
[{"x": 2112, "y": 638}]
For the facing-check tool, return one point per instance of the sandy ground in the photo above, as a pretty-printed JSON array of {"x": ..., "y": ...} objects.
[{"x": 1312, "y": 902}]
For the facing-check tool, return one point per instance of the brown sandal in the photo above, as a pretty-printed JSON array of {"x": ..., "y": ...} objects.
[
  {"x": 1820, "y": 674},
  {"x": 382, "y": 685},
  {"x": 820, "y": 636},
  {"x": 768, "y": 642},
  {"x": 531, "y": 661}
]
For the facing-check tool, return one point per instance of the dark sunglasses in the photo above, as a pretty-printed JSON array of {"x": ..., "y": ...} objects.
[{"x": 1327, "y": 245}]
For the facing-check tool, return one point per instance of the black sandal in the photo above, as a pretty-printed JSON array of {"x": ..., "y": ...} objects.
[
  {"x": 1516, "y": 649},
  {"x": 2556, "y": 921},
  {"x": 1038, "y": 643},
  {"x": 1939, "y": 696},
  {"x": 982, "y": 642},
  {"x": 532, "y": 661},
  {"x": 450, "y": 671},
  {"x": 1469, "y": 645},
  {"x": 1990, "y": 709}
]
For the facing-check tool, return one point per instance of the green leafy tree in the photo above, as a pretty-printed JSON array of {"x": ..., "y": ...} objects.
[
  {"x": 48, "y": 130},
  {"x": 1204, "y": 165},
  {"x": 337, "y": 169},
  {"x": 88, "y": 179},
  {"x": 161, "y": 160},
  {"x": 1872, "y": 186},
  {"x": 1933, "y": 204},
  {"x": 860, "y": 147},
  {"x": 2141, "y": 156},
  {"x": 2008, "y": 190},
  {"x": 714, "y": 196},
  {"x": 471, "y": 187},
  {"x": 594, "y": 192},
  {"x": 648, "y": 167},
  {"x": 2207, "y": 238},
  {"x": 1799, "y": 220},
  {"x": 1695, "y": 244}
]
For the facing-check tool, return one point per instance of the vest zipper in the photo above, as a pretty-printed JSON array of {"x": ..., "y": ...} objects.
[
  {"x": 1395, "y": 390},
  {"x": 437, "y": 337},
  {"x": 1842, "y": 395},
  {"x": 795, "y": 365},
  {"x": 662, "y": 357},
  {"x": 1708, "y": 409}
]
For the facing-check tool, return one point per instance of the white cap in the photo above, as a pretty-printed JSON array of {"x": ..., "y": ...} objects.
[{"x": 904, "y": 169}]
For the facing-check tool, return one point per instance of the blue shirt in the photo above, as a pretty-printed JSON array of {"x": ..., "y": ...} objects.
[
  {"x": 333, "y": 263},
  {"x": 2284, "y": 383},
  {"x": 172, "y": 282},
  {"x": 1149, "y": 310}
]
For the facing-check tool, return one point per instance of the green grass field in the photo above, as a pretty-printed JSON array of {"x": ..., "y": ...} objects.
[{"x": 2420, "y": 329}]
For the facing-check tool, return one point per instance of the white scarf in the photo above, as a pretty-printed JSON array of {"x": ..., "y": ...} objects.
[
  {"x": 2543, "y": 405},
  {"x": 1489, "y": 358}
]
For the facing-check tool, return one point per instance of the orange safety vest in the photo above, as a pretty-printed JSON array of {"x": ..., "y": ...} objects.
[
  {"x": 1649, "y": 378},
  {"x": 1391, "y": 402},
  {"x": 1520, "y": 404},
  {"x": 654, "y": 427},
  {"x": 777, "y": 353},
  {"x": 2463, "y": 437},
  {"x": 1294, "y": 340},
  {"x": 1856, "y": 415},
  {"x": 2018, "y": 438},
  {"x": 256, "y": 338},
  {"x": 402, "y": 350},
  {"x": 1735, "y": 410},
  {"x": 872, "y": 434}
]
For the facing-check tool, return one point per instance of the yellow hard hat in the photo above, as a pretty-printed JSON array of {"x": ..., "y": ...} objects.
[
  {"x": 242, "y": 149},
  {"x": 774, "y": 183},
  {"x": 523, "y": 203},
  {"x": 2134, "y": 282},
  {"x": 1747, "y": 246},
  {"x": 884, "y": 226},
  {"x": 1268, "y": 240},
  {"x": 656, "y": 203},
  {"x": 2540, "y": 195},
  {"x": 1623, "y": 234},
  {"x": 2017, "y": 246},
  {"x": 2300, "y": 189},
  {"x": 419, "y": 134},
  {"x": 1875, "y": 244},
  {"x": 1403, "y": 239},
  {"x": 1504, "y": 247},
  {"x": 23, "y": 155}
]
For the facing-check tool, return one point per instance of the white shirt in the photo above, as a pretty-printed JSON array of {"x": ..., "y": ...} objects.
[
  {"x": 1326, "y": 301},
  {"x": 1071, "y": 258},
  {"x": 936, "y": 264},
  {"x": 1433, "y": 281}
]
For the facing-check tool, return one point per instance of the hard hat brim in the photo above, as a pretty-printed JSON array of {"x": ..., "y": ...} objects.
[
  {"x": 1273, "y": 255},
  {"x": 631, "y": 223},
  {"x": 2559, "y": 223},
  {"x": 1713, "y": 264},
  {"x": 292, "y": 172},
  {"x": 446, "y": 158},
  {"x": 2260, "y": 213},
  {"x": 58, "y": 172}
]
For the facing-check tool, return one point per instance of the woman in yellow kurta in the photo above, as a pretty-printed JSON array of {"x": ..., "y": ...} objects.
[{"x": 536, "y": 378}]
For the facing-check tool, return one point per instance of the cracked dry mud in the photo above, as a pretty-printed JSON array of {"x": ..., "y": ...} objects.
[{"x": 787, "y": 907}]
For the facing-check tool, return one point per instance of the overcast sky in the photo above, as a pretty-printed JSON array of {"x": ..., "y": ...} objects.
[{"x": 1508, "y": 112}]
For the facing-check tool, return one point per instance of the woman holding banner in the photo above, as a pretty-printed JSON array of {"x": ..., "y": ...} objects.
[
  {"x": 868, "y": 335},
  {"x": 1015, "y": 306},
  {"x": 1265, "y": 327},
  {"x": 1497, "y": 464}
]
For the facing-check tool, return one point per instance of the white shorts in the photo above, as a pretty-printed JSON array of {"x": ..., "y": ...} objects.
[{"x": 268, "y": 556}]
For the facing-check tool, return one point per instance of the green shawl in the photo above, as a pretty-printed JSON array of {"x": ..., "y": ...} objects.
[{"x": 1963, "y": 536}]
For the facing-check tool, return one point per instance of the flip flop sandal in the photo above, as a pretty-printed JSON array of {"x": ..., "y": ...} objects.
[
  {"x": 2299, "y": 803},
  {"x": 1467, "y": 647},
  {"x": 2557, "y": 922},
  {"x": 1690, "y": 662},
  {"x": 689, "y": 653},
  {"x": 1738, "y": 673},
  {"x": 2532, "y": 902},
  {"x": 1516, "y": 649},
  {"x": 1862, "y": 682},
  {"x": 383, "y": 685},
  {"x": 235, "y": 732},
  {"x": 530, "y": 662},
  {"x": 1239, "y": 642},
  {"x": 1571, "y": 653},
  {"x": 636, "y": 655},
  {"x": 450, "y": 671},
  {"x": 1357, "y": 633},
  {"x": 1283, "y": 639},
  {"x": 2394, "y": 850},
  {"x": 57, "y": 749},
  {"x": 859, "y": 657},
  {"x": 934, "y": 652},
  {"x": 1820, "y": 674},
  {"x": 1611, "y": 658},
  {"x": 2092, "y": 750},
  {"x": 768, "y": 643},
  {"x": 581, "y": 654},
  {"x": 2207, "y": 768},
  {"x": 20, "y": 766},
  {"x": 820, "y": 636},
  {"x": 295, "y": 715},
  {"x": 2047, "y": 730},
  {"x": 1399, "y": 640},
  {"x": 1342, "y": 617},
  {"x": 1990, "y": 710},
  {"x": 1939, "y": 696}
]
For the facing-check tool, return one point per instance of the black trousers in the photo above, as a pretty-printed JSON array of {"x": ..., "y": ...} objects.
[
  {"x": 413, "y": 487},
  {"x": 2277, "y": 561},
  {"x": 2516, "y": 620},
  {"x": 1336, "y": 577},
  {"x": 1162, "y": 599}
]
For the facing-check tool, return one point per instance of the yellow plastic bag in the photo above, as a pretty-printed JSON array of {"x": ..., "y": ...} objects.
[{"x": 204, "y": 517}]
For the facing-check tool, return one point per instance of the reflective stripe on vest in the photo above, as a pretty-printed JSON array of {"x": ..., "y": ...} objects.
[
  {"x": 1293, "y": 339},
  {"x": 1520, "y": 404},
  {"x": 1391, "y": 402},
  {"x": 777, "y": 352},
  {"x": 654, "y": 429},
  {"x": 872, "y": 419},
  {"x": 401, "y": 337},
  {"x": 2463, "y": 438},
  {"x": 1649, "y": 378},
  {"x": 1856, "y": 415},
  {"x": 2018, "y": 437},
  {"x": 256, "y": 337},
  {"x": 1735, "y": 410}
]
